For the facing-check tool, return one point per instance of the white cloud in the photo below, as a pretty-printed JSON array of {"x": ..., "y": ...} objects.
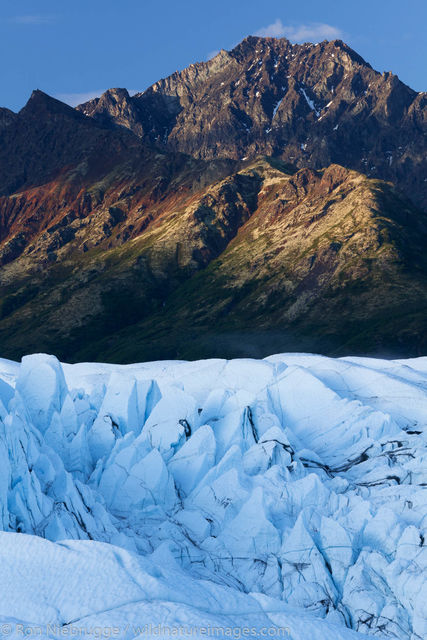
[
  {"x": 212, "y": 54},
  {"x": 274, "y": 30},
  {"x": 32, "y": 19},
  {"x": 73, "y": 99},
  {"x": 313, "y": 32}
]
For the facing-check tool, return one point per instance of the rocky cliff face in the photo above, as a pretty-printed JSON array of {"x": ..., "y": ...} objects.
[{"x": 308, "y": 104}]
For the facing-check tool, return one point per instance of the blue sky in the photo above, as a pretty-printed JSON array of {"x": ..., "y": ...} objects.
[{"x": 77, "y": 49}]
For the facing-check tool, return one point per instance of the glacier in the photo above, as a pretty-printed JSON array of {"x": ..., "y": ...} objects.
[{"x": 283, "y": 497}]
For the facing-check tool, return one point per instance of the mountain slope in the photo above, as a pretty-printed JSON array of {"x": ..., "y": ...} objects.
[
  {"x": 305, "y": 259},
  {"x": 48, "y": 137},
  {"x": 56, "y": 167},
  {"x": 328, "y": 261},
  {"x": 307, "y": 104}
]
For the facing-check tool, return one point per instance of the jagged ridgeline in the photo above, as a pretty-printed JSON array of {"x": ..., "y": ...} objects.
[{"x": 270, "y": 199}]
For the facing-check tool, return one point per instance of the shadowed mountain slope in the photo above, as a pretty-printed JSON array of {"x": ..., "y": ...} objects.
[{"x": 249, "y": 262}]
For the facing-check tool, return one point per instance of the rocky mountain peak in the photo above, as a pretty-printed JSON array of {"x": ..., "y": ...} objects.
[
  {"x": 115, "y": 106},
  {"x": 108, "y": 100},
  {"x": 308, "y": 104},
  {"x": 41, "y": 103}
]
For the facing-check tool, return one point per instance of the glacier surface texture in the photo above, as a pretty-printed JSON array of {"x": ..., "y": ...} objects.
[{"x": 283, "y": 497}]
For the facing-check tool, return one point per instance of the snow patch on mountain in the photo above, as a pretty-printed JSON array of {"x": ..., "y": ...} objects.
[{"x": 310, "y": 102}]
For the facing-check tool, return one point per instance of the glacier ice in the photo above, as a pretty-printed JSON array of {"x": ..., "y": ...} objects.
[{"x": 288, "y": 492}]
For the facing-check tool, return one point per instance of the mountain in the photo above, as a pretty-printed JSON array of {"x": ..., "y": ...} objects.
[
  {"x": 310, "y": 105},
  {"x": 285, "y": 494},
  {"x": 119, "y": 244}
]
